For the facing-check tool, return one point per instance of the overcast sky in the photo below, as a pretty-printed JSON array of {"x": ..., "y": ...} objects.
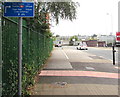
[{"x": 93, "y": 17}]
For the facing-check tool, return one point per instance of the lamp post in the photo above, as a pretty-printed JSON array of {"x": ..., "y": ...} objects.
[
  {"x": 111, "y": 25},
  {"x": 0, "y": 48},
  {"x": 111, "y": 21}
]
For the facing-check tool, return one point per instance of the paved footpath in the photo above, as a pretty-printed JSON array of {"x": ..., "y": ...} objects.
[{"x": 72, "y": 72}]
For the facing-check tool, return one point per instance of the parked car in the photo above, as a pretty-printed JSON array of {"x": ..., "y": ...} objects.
[
  {"x": 58, "y": 45},
  {"x": 82, "y": 47}
]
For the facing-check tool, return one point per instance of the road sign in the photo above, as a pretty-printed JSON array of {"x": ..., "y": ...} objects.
[
  {"x": 118, "y": 39},
  {"x": 19, "y": 9},
  {"x": 117, "y": 36}
]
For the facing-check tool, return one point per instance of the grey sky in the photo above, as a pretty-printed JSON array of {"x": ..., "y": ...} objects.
[{"x": 93, "y": 17}]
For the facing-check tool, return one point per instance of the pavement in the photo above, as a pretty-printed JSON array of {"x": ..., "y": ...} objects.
[
  {"x": 59, "y": 62},
  {"x": 72, "y": 72}
]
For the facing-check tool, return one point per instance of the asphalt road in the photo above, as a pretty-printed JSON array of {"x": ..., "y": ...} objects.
[
  {"x": 81, "y": 59},
  {"x": 105, "y": 53}
]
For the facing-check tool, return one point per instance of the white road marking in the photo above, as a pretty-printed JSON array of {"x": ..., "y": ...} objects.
[
  {"x": 117, "y": 67},
  {"x": 90, "y": 68},
  {"x": 101, "y": 56},
  {"x": 65, "y": 54},
  {"x": 108, "y": 59},
  {"x": 105, "y": 58}
]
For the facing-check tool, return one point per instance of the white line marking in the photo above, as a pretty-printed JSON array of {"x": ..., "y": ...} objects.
[
  {"x": 101, "y": 56},
  {"x": 106, "y": 58},
  {"x": 117, "y": 67},
  {"x": 90, "y": 68},
  {"x": 65, "y": 54},
  {"x": 110, "y": 60}
]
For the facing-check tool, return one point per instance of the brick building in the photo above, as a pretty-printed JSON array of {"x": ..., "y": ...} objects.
[{"x": 95, "y": 43}]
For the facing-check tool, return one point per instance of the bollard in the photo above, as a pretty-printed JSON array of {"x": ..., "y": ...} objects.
[{"x": 113, "y": 49}]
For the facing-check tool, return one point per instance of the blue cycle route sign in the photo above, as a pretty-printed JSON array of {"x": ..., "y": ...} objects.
[{"x": 19, "y": 9}]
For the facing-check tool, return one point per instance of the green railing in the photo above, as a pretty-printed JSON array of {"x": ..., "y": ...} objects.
[{"x": 36, "y": 49}]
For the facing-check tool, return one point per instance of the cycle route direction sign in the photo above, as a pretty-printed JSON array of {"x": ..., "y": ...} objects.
[{"x": 18, "y": 9}]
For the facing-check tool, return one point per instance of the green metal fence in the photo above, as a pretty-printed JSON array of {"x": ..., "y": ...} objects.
[{"x": 36, "y": 49}]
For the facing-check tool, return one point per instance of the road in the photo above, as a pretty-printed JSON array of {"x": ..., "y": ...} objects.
[
  {"x": 77, "y": 72},
  {"x": 105, "y": 53}
]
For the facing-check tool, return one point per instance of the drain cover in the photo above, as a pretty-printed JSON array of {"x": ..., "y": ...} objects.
[{"x": 61, "y": 83}]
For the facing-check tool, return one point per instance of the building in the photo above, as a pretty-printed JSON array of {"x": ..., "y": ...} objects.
[
  {"x": 84, "y": 37},
  {"x": 94, "y": 43},
  {"x": 109, "y": 39}
]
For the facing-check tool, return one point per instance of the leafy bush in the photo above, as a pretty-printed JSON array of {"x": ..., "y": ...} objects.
[{"x": 36, "y": 49}]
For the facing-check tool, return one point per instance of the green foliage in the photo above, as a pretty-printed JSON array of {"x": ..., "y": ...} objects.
[
  {"x": 57, "y": 35},
  {"x": 64, "y": 10},
  {"x": 29, "y": 72},
  {"x": 93, "y": 37},
  {"x": 54, "y": 38},
  {"x": 9, "y": 56},
  {"x": 37, "y": 44},
  {"x": 56, "y": 10},
  {"x": 74, "y": 37},
  {"x": 48, "y": 33},
  {"x": 36, "y": 49}
]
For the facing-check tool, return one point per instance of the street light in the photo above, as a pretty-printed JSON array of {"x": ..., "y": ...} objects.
[
  {"x": 111, "y": 25},
  {"x": 0, "y": 48},
  {"x": 111, "y": 21}
]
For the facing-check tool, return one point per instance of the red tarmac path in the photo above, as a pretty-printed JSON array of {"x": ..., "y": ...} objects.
[{"x": 78, "y": 73}]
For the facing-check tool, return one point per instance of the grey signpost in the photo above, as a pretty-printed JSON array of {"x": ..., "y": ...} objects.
[
  {"x": 20, "y": 56},
  {"x": 19, "y": 9}
]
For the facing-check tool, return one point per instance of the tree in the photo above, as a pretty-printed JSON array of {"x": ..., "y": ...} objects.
[
  {"x": 93, "y": 37},
  {"x": 56, "y": 10},
  {"x": 74, "y": 37},
  {"x": 57, "y": 35}
]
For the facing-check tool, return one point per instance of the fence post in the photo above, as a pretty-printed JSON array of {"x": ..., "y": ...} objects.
[{"x": 0, "y": 48}]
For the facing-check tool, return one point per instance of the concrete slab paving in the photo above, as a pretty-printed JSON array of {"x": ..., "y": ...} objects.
[
  {"x": 78, "y": 80},
  {"x": 77, "y": 89},
  {"x": 59, "y": 62}
]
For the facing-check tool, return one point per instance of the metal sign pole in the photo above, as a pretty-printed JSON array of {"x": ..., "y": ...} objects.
[
  {"x": 0, "y": 49},
  {"x": 20, "y": 56}
]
